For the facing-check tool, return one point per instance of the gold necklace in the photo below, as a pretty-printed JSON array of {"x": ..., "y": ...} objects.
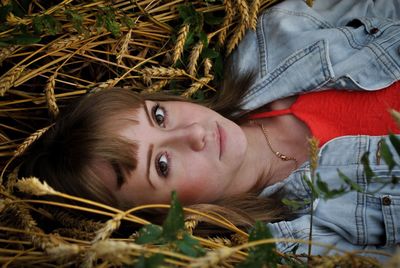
[{"x": 278, "y": 154}]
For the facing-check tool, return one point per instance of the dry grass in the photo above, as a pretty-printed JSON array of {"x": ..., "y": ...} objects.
[{"x": 39, "y": 78}]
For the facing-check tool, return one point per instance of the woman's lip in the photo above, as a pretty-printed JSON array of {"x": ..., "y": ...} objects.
[{"x": 221, "y": 138}]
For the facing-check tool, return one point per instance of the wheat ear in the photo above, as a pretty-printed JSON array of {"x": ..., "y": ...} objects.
[
  {"x": 157, "y": 86},
  {"x": 197, "y": 85},
  {"x": 310, "y": 2},
  {"x": 194, "y": 56},
  {"x": 213, "y": 258},
  {"x": 109, "y": 227},
  {"x": 241, "y": 27},
  {"x": 33, "y": 186},
  {"x": 66, "y": 42},
  {"x": 229, "y": 15},
  {"x": 50, "y": 97},
  {"x": 124, "y": 47},
  {"x": 7, "y": 80},
  {"x": 110, "y": 83},
  {"x": 31, "y": 139},
  {"x": 221, "y": 241},
  {"x": 5, "y": 52},
  {"x": 180, "y": 42},
  {"x": 254, "y": 8},
  {"x": 207, "y": 66},
  {"x": 148, "y": 73}
]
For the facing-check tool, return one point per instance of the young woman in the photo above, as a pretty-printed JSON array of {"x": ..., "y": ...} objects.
[{"x": 284, "y": 84}]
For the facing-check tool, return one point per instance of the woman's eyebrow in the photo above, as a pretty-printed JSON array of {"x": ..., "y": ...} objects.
[
  {"x": 150, "y": 150},
  {"x": 147, "y": 114},
  {"x": 119, "y": 174},
  {"x": 149, "y": 154}
]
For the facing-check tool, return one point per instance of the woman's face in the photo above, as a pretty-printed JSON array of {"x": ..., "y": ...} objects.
[{"x": 184, "y": 147}]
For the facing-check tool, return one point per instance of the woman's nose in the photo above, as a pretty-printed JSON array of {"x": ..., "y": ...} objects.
[{"x": 192, "y": 135}]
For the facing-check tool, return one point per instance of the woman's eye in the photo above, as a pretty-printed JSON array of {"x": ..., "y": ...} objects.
[
  {"x": 159, "y": 115},
  {"x": 162, "y": 165}
]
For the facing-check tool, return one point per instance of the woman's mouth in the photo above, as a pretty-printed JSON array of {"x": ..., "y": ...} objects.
[{"x": 221, "y": 140}]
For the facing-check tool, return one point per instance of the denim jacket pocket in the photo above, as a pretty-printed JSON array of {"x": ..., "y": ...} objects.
[
  {"x": 310, "y": 64},
  {"x": 391, "y": 218}
]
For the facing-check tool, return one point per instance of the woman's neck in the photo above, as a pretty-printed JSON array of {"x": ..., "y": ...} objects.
[{"x": 286, "y": 134}]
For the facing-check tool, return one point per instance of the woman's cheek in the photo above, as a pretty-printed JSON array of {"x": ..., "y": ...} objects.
[{"x": 191, "y": 193}]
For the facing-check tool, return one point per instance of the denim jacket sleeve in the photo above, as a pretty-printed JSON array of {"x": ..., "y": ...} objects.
[
  {"x": 357, "y": 220},
  {"x": 349, "y": 44}
]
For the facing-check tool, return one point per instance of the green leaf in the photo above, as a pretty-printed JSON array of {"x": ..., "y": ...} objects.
[
  {"x": 349, "y": 182},
  {"x": 76, "y": 19},
  {"x": 174, "y": 223},
  {"x": 128, "y": 21},
  {"x": 4, "y": 10},
  {"x": 189, "y": 246},
  {"x": 314, "y": 190},
  {"x": 261, "y": 255},
  {"x": 106, "y": 19},
  {"x": 295, "y": 204},
  {"x": 21, "y": 39},
  {"x": 395, "y": 142},
  {"x": 387, "y": 155},
  {"x": 210, "y": 53},
  {"x": 149, "y": 233},
  {"x": 154, "y": 261},
  {"x": 211, "y": 19},
  {"x": 46, "y": 24},
  {"x": 203, "y": 38},
  {"x": 189, "y": 15},
  {"x": 327, "y": 193},
  {"x": 367, "y": 168}
]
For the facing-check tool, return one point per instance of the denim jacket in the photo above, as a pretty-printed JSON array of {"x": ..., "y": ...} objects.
[{"x": 349, "y": 44}]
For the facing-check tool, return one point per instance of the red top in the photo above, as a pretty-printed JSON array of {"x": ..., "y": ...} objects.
[{"x": 332, "y": 113}]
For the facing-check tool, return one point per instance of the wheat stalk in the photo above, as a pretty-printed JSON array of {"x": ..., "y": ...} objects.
[
  {"x": 229, "y": 15},
  {"x": 124, "y": 47},
  {"x": 194, "y": 56},
  {"x": 254, "y": 8},
  {"x": 50, "y": 97},
  {"x": 7, "y": 80},
  {"x": 197, "y": 85},
  {"x": 31, "y": 139},
  {"x": 180, "y": 42}
]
